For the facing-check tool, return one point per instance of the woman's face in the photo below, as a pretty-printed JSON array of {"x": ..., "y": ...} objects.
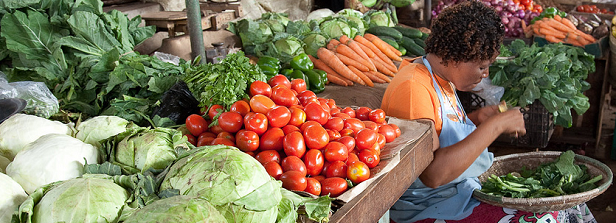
[{"x": 469, "y": 74}]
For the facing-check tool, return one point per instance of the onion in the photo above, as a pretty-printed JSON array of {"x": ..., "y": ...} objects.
[
  {"x": 512, "y": 8},
  {"x": 496, "y": 2},
  {"x": 510, "y": 2},
  {"x": 520, "y": 14},
  {"x": 505, "y": 20},
  {"x": 498, "y": 9},
  {"x": 505, "y": 13}
]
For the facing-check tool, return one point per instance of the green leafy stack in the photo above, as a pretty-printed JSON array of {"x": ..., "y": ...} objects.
[
  {"x": 554, "y": 74},
  {"x": 560, "y": 177},
  {"x": 84, "y": 55}
]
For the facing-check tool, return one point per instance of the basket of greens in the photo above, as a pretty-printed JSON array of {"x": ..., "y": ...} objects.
[{"x": 543, "y": 181}]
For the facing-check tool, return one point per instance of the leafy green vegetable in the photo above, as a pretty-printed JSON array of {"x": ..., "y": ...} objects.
[
  {"x": 551, "y": 179},
  {"x": 554, "y": 74},
  {"x": 177, "y": 209},
  {"x": 223, "y": 83},
  {"x": 379, "y": 18}
]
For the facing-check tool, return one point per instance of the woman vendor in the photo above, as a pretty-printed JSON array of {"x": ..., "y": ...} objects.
[{"x": 465, "y": 40}]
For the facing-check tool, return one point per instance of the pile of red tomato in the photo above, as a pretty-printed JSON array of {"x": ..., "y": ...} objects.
[
  {"x": 593, "y": 9},
  {"x": 307, "y": 142},
  {"x": 529, "y": 5}
]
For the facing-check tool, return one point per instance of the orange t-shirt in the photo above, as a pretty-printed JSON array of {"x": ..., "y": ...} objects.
[{"x": 411, "y": 94}]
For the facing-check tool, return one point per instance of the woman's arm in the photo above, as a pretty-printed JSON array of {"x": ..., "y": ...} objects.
[
  {"x": 451, "y": 161},
  {"x": 482, "y": 114}
]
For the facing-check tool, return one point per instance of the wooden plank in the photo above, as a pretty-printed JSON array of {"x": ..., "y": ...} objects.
[
  {"x": 221, "y": 20},
  {"x": 220, "y": 7},
  {"x": 379, "y": 196}
]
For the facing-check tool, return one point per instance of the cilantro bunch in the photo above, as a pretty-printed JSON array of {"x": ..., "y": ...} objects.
[
  {"x": 560, "y": 177},
  {"x": 554, "y": 74}
]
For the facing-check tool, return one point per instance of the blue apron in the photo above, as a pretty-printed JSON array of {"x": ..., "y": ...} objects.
[{"x": 452, "y": 201}]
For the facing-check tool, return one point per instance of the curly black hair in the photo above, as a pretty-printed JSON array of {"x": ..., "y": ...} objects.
[{"x": 466, "y": 32}]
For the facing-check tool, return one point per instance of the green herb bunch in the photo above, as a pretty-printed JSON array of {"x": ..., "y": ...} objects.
[{"x": 555, "y": 74}]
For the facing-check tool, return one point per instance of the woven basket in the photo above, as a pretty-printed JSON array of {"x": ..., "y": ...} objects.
[{"x": 514, "y": 162}]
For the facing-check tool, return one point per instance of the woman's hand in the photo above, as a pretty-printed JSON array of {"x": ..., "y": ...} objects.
[
  {"x": 509, "y": 122},
  {"x": 480, "y": 115}
]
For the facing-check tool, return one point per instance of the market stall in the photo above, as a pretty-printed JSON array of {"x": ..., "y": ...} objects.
[{"x": 267, "y": 119}]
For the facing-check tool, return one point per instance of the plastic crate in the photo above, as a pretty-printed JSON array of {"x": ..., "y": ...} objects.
[{"x": 539, "y": 122}]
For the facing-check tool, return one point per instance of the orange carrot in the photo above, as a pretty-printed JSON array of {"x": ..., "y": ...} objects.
[
  {"x": 347, "y": 51},
  {"x": 549, "y": 31},
  {"x": 329, "y": 58},
  {"x": 573, "y": 41},
  {"x": 350, "y": 62},
  {"x": 367, "y": 50},
  {"x": 344, "y": 38},
  {"x": 361, "y": 75},
  {"x": 383, "y": 46},
  {"x": 332, "y": 44},
  {"x": 355, "y": 46},
  {"x": 318, "y": 64},
  {"x": 589, "y": 38},
  {"x": 557, "y": 18},
  {"x": 557, "y": 25},
  {"x": 381, "y": 76},
  {"x": 553, "y": 39},
  {"x": 568, "y": 23},
  {"x": 375, "y": 50},
  {"x": 391, "y": 68},
  {"x": 381, "y": 68},
  {"x": 373, "y": 77}
]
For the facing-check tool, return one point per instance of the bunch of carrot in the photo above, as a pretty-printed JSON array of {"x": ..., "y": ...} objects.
[
  {"x": 558, "y": 30},
  {"x": 364, "y": 60}
]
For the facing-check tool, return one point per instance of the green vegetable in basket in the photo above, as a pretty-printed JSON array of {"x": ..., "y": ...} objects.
[{"x": 560, "y": 177}]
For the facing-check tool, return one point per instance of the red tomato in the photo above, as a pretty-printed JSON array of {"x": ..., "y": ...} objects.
[
  {"x": 381, "y": 140},
  {"x": 216, "y": 129},
  {"x": 348, "y": 141},
  {"x": 290, "y": 128},
  {"x": 293, "y": 144},
  {"x": 377, "y": 115},
  {"x": 334, "y": 123},
  {"x": 268, "y": 156},
  {"x": 273, "y": 169},
  {"x": 334, "y": 111},
  {"x": 333, "y": 134},
  {"x": 314, "y": 162},
  {"x": 222, "y": 141},
  {"x": 358, "y": 172},
  {"x": 341, "y": 115},
  {"x": 214, "y": 110},
  {"x": 369, "y": 157},
  {"x": 347, "y": 132},
  {"x": 293, "y": 163},
  {"x": 354, "y": 124},
  {"x": 396, "y": 129},
  {"x": 207, "y": 134},
  {"x": 334, "y": 186},
  {"x": 196, "y": 124},
  {"x": 377, "y": 148},
  {"x": 314, "y": 112},
  {"x": 362, "y": 113},
  {"x": 525, "y": 2},
  {"x": 319, "y": 177},
  {"x": 316, "y": 137},
  {"x": 242, "y": 107},
  {"x": 226, "y": 135},
  {"x": 298, "y": 85},
  {"x": 313, "y": 185},
  {"x": 306, "y": 96},
  {"x": 331, "y": 103},
  {"x": 283, "y": 96},
  {"x": 256, "y": 122},
  {"x": 191, "y": 139},
  {"x": 365, "y": 138},
  {"x": 323, "y": 103},
  {"x": 278, "y": 116},
  {"x": 371, "y": 125},
  {"x": 279, "y": 80},
  {"x": 298, "y": 116},
  {"x": 538, "y": 8},
  {"x": 260, "y": 88},
  {"x": 306, "y": 124},
  {"x": 335, "y": 151},
  {"x": 349, "y": 111},
  {"x": 388, "y": 132},
  {"x": 293, "y": 180},
  {"x": 296, "y": 106},
  {"x": 272, "y": 139},
  {"x": 247, "y": 141},
  {"x": 205, "y": 141},
  {"x": 261, "y": 104},
  {"x": 230, "y": 121},
  {"x": 336, "y": 169},
  {"x": 352, "y": 158}
]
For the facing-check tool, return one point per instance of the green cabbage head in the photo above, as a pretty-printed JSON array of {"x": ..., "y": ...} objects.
[
  {"x": 98, "y": 128},
  {"x": 11, "y": 196},
  {"x": 180, "y": 208},
  {"x": 89, "y": 199},
  {"x": 229, "y": 179},
  {"x": 314, "y": 41}
]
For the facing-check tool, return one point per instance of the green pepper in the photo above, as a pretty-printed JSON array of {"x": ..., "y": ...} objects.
[
  {"x": 550, "y": 11},
  {"x": 322, "y": 74},
  {"x": 302, "y": 62},
  {"x": 298, "y": 74},
  {"x": 316, "y": 83},
  {"x": 286, "y": 72},
  {"x": 269, "y": 65}
]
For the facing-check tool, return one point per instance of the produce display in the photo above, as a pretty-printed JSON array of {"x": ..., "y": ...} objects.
[
  {"x": 308, "y": 143},
  {"x": 559, "y": 27},
  {"x": 554, "y": 74},
  {"x": 592, "y": 8},
  {"x": 512, "y": 13},
  {"x": 551, "y": 179}
]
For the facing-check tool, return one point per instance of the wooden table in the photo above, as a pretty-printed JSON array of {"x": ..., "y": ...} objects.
[{"x": 384, "y": 191}]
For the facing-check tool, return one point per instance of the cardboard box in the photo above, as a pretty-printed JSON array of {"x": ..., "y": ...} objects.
[{"x": 599, "y": 48}]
